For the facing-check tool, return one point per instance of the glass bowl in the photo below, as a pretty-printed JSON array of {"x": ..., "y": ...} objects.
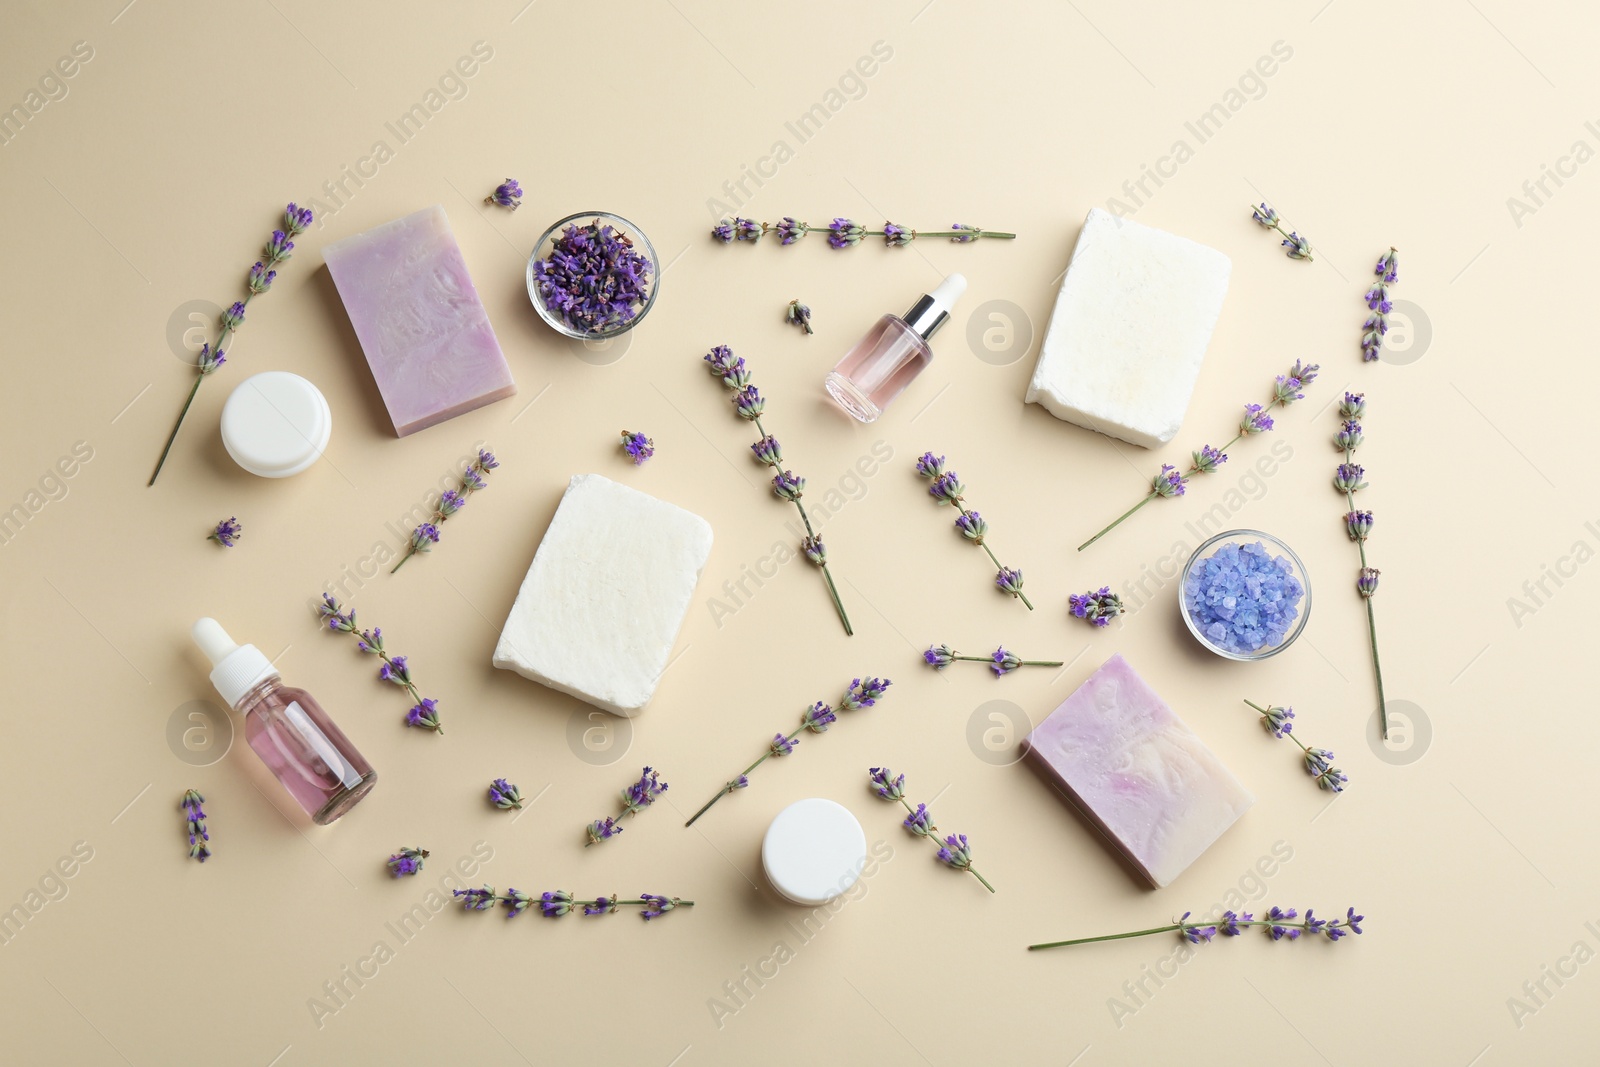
[
  {"x": 1277, "y": 548},
  {"x": 641, "y": 244}
]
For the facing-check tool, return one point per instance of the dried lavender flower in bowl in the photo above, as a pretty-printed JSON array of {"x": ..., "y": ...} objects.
[{"x": 593, "y": 276}]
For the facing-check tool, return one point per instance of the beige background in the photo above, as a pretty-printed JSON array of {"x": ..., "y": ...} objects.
[{"x": 149, "y": 184}]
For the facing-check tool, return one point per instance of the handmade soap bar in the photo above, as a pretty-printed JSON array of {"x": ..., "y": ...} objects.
[
  {"x": 602, "y": 604},
  {"x": 1129, "y": 329},
  {"x": 419, "y": 320},
  {"x": 1137, "y": 771}
]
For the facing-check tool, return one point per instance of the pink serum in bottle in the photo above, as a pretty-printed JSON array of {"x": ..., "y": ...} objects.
[
  {"x": 287, "y": 728},
  {"x": 892, "y": 353}
]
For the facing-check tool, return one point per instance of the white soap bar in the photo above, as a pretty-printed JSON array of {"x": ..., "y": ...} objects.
[
  {"x": 814, "y": 850},
  {"x": 602, "y": 603},
  {"x": 1129, "y": 330}
]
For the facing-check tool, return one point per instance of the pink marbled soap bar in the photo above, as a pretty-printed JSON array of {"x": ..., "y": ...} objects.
[
  {"x": 419, "y": 320},
  {"x": 1137, "y": 771}
]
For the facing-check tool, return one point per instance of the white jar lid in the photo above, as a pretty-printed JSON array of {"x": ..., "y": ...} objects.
[
  {"x": 276, "y": 424},
  {"x": 814, "y": 851}
]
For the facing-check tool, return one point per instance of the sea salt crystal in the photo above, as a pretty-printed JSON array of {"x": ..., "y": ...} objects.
[
  {"x": 1134, "y": 769},
  {"x": 602, "y": 603},
  {"x": 1129, "y": 330}
]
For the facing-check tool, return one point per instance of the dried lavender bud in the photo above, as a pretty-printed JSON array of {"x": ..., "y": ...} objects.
[
  {"x": 843, "y": 233},
  {"x": 1096, "y": 608},
  {"x": 1347, "y": 477},
  {"x": 814, "y": 550},
  {"x": 723, "y": 231},
  {"x": 895, "y": 236},
  {"x": 638, "y": 447},
  {"x": 407, "y": 861},
  {"x": 939, "y": 658},
  {"x": 1367, "y": 581},
  {"x": 1004, "y": 662},
  {"x": 767, "y": 451},
  {"x": 476, "y": 899},
  {"x": 797, "y": 314},
  {"x": 788, "y": 485},
  {"x": 887, "y": 784},
  {"x": 507, "y": 194},
  {"x": 226, "y": 533},
  {"x": 504, "y": 795}
]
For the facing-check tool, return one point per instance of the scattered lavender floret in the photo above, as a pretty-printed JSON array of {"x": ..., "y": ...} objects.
[
  {"x": 593, "y": 279},
  {"x": 407, "y": 861},
  {"x": 798, "y": 315},
  {"x": 226, "y": 533},
  {"x": 504, "y": 795},
  {"x": 1242, "y": 598},
  {"x": 195, "y": 817},
  {"x": 1097, "y": 608},
  {"x": 507, "y": 194},
  {"x": 638, "y": 447}
]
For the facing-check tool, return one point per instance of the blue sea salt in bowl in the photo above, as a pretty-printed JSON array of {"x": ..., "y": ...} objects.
[{"x": 1245, "y": 595}]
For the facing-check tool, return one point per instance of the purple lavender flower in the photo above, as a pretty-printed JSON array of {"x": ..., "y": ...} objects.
[
  {"x": 1286, "y": 389},
  {"x": 475, "y": 899},
  {"x": 638, "y": 447},
  {"x": 277, "y": 248},
  {"x": 516, "y": 902},
  {"x": 1097, "y": 608},
  {"x": 956, "y": 852},
  {"x": 1195, "y": 934},
  {"x": 1347, "y": 477},
  {"x": 929, "y": 465},
  {"x": 720, "y": 360},
  {"x": 657, "y": 906},
  {"x": 920, "y": 821},
  {"x": 767, "y": 451},
  {"x": 1376, "y": 325},
  {"x": 939, "y": 658},
  {"x": 1282, "y": 915},
  {"x": 504, "y": 795},
  {"x": 1256, "y": 420},
  {"x": 329, "y": 609},
  {"x": 424, "y": 537},
  {"x": 507, "y": 194},
  {"x": 603, "y": 830},
  {"x": 1353, "y": 406},
  {"x": 797, "y": 314},
  {"x": 863, "y": 693},
  {"x": 1009, "y": 580},
  {"x": 260, "y": 279},
  {"x": 1264, "y": 216},
  {"x": 723, "y": 231},
  {"x": 208, "y": 360},
  {"x": 1208, "y": 459},
  {"x": 296, "y": 219},
  {"x": 1004, "y": 662},
  {"x": 818, "y": 717},
  {"x": 450, "y": 502},
  {"x": 1358, "y": 524},
  {"x": 393, "y": 670},
  {"x": 814, "y": 550},
  {"x": 556, "y": 904},
  {"x": 1352, "y": 920},
  {"x": 1388, "y": 268},
  {"x": 407, "y": 861},
  {"x": 1298, "y": 247},
  {"x": 1367, "y": 581},
  {"x": 593, "y": 279},
  {"x": 788, "y": 485},
  {"x": 1305, "y": 374},
  {"x": 424, "y": 715},
  {"x": 747, "y": 229},
  {"x": 600, "y": 906},
  {"x": 782, "y": 746},
  {"x": 947, "y": 487},
  {"x": 1319, "y": 764},
  {"x": 972, "y": 233},
  {"x": 887, "y": 784},
  {"x": 1276, "y": 722},
  {"x": 894, "y": 236},
  {"x": 748, "y": 403},
  {"x": 1229, "y": 926},
  {"x": 789, "y": 231},
  {"x": 1349, "y": 437},
  {"x": 843, "y": 233},
  {"x": 641, "y": 794},
  {"x": 195, "y": 817},
  {"x": 1170, "y": 482},
  {"x": 486, "y": 460},
  {"x": 233, "y": 317},
  {"x": 226, "y": 533},
  {"x": 972, "y": 526}
]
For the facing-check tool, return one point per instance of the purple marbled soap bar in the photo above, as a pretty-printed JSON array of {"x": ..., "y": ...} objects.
[
  {"x": 419, "y": 320},
  {"x": 1136, "y": 770}
]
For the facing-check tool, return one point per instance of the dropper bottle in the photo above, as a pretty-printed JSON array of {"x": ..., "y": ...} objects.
[
  {"x": 287, "y": 728},
  {"x": 892, "y": 353}
]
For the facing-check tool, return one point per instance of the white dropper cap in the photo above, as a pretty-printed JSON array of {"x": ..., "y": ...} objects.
[
  {"x": 932, "y": 309},
  {"x": 235, "y": 669}
]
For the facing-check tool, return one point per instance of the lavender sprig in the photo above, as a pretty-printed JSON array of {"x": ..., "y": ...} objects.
[
  {"x": 638, "y": 447},
  {"x": 1000, "y": 661},
  {"x": 1348, "y": 479},
  {"x": 407, "y": 861},
  {"x": 257, "y": 281},
  {"x": 1379, "y": 304},
  {"x": 424, "y": 712},
  {"x": 947, "y": 489},
  {"x": 798, "y": 315},
  {"x": 1170, "y": 482},
  {"x": 1318, "y": 761},
  {"x": 226, "y": 533},
  {"x": 636, "y": 796},
  {"x": 504, "y": 795},
  {"x": 507, "y": 194},
  {"x": 1097, "y": 608},
  {"x": 425, "y": 536},
  {"x": 556, "y": 903},
  {"x": 861, "y": 693},
  {"x": 1295, "y": 246},
  {"x": 844, "y": 233},
  {"x": 954, "y": 852},
  {"x": 195, "y": 816},
  {"x": 1278, "y": 922},
  {"x": 749, "y": 404}
]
